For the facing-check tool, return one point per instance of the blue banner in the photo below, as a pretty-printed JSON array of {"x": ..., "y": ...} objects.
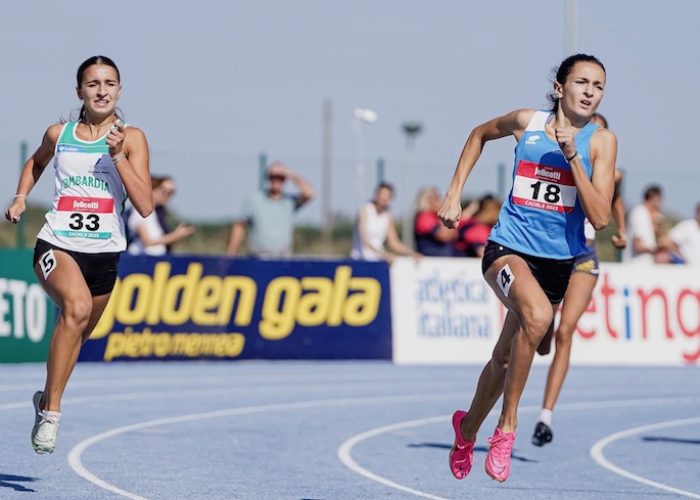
[{"x": 220, "y": 308}]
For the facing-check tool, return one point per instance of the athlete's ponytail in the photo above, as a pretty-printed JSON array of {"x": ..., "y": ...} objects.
[{"x": 562, "y": 73}]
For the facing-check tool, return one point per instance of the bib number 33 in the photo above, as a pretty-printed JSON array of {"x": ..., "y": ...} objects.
[
  {"x": 84, "y": 217},
  {"x": 79, "y": 221}
]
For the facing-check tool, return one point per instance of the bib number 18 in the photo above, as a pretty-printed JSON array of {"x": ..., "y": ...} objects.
[{"x": 551, "y": 194}]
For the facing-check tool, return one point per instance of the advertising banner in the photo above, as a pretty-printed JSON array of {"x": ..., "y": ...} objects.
[
  {"x": 444, "y": 312},
  {"x": 219, "y": 308},
  {"x": 26, "y": 313}
]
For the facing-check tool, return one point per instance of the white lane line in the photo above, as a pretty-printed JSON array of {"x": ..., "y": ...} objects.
[
  {"x": 345, "y": 455},
  {"x": 224, "y": 378},
  {"x": 599, "y": 457},
  {"x": 128, "y": 396},
  {"x": 177, "y": 393},
  {"x": 75, "y": 454},
  {"x": 345, "y": 449}
]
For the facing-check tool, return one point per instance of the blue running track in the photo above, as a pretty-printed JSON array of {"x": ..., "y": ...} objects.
[{"x": 334, "y": 430}]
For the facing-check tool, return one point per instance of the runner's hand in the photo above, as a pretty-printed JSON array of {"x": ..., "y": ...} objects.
[
  {"x": 450, "y": 212},
  {"x": 14, "y": 212},
  {"x": 565, "y": 134},
  {"x": 619, "y": 240},
  {"x": 115, "y": 138}
]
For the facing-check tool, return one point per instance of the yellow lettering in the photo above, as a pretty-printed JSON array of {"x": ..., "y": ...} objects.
[
  {"x": 146, "y": 341},
  {"x": 314, "y": 304},
  {"x": 182, "y": 287},
  {"x": 162, "y": 345},
  {"x": 281, "y": 298},
  {"x": 340, "y": 292},
  {"x": 240, "y": 289},
  {"x": 161, "y": 273},
  {"x": 207, "y": 297},
  {"x": 361, "y": 306},
  {"x": 234, "y": 345},
  {"x": 115, "y": 346},
  {"x": 179, "y": 343},
  {"x": 145, "y": 344},
  {"x": 138, "y": 286}
]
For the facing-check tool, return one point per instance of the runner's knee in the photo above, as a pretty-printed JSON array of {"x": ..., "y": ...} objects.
[
  {"x": 76, "y": 312},
  {"x": 563, "y": 340},
  {"x": 535, "y": 323}
]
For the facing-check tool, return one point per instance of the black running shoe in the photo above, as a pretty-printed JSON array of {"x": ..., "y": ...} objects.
[{"x": 542, "y": 435}]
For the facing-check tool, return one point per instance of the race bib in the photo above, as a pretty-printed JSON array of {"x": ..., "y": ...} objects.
[
  {"x": 83, "y": 217},
  {"x": 544, "y": 187},
  {"x": 505, "y": 279}
]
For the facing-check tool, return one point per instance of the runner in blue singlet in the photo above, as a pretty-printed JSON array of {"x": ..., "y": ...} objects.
[{"x": 563, "y": 173}]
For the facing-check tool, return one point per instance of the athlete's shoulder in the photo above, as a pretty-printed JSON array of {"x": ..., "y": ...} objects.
[
  {"x": 133, "y": 131},
  {"x": 135, "y": 139},
  {"x": 53, "y": 132},
  {"x": 521, "y": 117},
  {"x": 604, "y": 137}
]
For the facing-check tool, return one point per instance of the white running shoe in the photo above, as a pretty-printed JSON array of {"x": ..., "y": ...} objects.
[{"x": 45, "y": 428}]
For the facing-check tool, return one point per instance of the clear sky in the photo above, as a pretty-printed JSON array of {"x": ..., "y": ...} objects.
[{"x": 214, "y": 83}]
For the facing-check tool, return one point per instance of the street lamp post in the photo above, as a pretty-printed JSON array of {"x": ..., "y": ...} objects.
[
  {"x": 360, "y": 116},
  {"x": 571, "y": 27},
  {"x": 411, "y": 129}
]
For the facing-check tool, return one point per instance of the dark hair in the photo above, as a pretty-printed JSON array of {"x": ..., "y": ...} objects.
[
  {"x": 562, "y": 73},
  {"x": 485, "y": 200},
  {"x": 652, "y": 191},
  {"x": 85, "y": 65},
  {"x": 157, "y": 180},
  {"x": 385, "y": 185},
  {"x": 602, "y": 119}
]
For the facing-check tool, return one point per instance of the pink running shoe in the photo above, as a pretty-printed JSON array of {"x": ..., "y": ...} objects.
[
  {"x": 462, "y": 453},
  {"x": 497, "y": 463}
]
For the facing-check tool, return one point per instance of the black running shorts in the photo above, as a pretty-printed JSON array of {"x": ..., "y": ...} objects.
[
  {"x": 551, "y": 274},
  {"x": 99, "y": 269}
]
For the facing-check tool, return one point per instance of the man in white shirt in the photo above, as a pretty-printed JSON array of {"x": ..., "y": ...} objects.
[
  {"x": 686, "y": 234},
  {"x": 641, "y": 227}
]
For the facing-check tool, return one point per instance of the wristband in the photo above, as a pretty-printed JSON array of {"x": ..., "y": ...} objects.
[
  {"x": 19, "y": 196},
  {"x": 572, "y": 157},
  {"x": 118, "y": 158}
]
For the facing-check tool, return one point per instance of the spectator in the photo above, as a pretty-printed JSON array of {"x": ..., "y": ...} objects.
[
  {"x": 151, "y": 235},
  {"x": 686, "y": 235},
  {"x": 667, "y": 251},
  {"x": 375, "y": 227},
  {"x": 474, "y": 231},
  {"x": 268, "y": 215},
  {"x": 642, "y": 225},
  {"x": 431, "y": 236}
]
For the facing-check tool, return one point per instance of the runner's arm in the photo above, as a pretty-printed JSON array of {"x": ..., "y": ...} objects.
[{"x": 513, "y": 123}]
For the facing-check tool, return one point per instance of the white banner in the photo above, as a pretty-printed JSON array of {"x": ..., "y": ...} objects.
[{"x": 444, "y": 312}]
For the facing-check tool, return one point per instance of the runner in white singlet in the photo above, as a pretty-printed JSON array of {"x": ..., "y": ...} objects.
[{"x": 98, "y": 162}]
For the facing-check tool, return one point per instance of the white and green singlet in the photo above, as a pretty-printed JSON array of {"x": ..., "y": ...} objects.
[{"x": 89, "y": 197}]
